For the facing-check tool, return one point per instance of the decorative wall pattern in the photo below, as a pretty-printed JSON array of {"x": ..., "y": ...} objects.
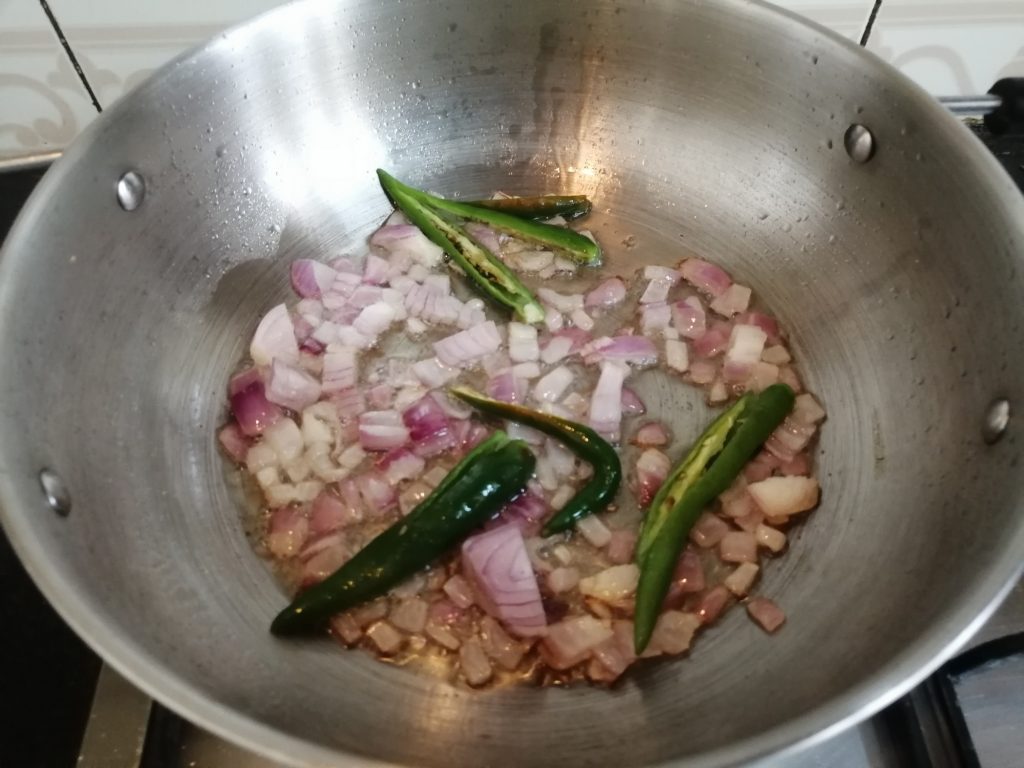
[{"x": 948, "y": 46}]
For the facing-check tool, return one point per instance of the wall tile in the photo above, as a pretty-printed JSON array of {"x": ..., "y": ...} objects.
[
  {"x": 952, "y": 47},
  {"x": 43, "y": 105}
]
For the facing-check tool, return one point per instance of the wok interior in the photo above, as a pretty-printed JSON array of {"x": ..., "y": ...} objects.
[{"x": 715, "y": 131}]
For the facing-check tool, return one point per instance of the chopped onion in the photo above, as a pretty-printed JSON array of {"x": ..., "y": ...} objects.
[
  {"x": 566, "y": 303},
  {"x": 429, "y": 427},
  {"x": 703, "y": 371},
  {"x": 766, "y": 613},
  {"x": 708, "y": 530},
  {"x": 401, "y": 464},
  {"x": 688, "y": 318},
  {"x": 632, "y": 405},
  {"x": 738, "y": 547},
  {"x": 339, "y": 369},
  {"x": 434, "y": 373},
  {"x": 348, "y": 402},
  {"x": 780, "y": 497},
  {"x": 410, "y": 615},
  {"x": 234, "y": 442},
  {"x": 375, "y": 270},
  {"x": 776, "y": 355},
  {"x": 766, "y": 323},
  {"x": 466, "y": 346},
  {"x": 712, "y": 603},
  {"x": 806, "y": 410},
  {"x": 746, "y": 342},
  {"x": 405, "y": 239},
  {"x": 732, "y": 301},
  {"x": 651, "y": 470},
  {"x": 688, "y": 575},
  {"x": 606, "y": 402},
  {"x": 562, "y": 580},
  {"x": 713, "y": 342},
  {"x": 673, "y": 633},
  {"x": 655, "y": 317},
  {"x": 771, "y": 538},
  {"x": 569, "y": 642},
  {"x": 551, "y": 387},
  {"x": 382, "y": 430},
  {"x": 761, "y": 376},
  {"x": 799, "y": 465},
  {"x": 311, "y": 279},
  {"x": 252, "y": 411},
  {"x": 377, "y": 495},
  {"x": 275, "y": 338},
  {"x": 594, "y": 531},
  {"x": 654, "y": 434},
  {"x": 459, "y": 591},
  {"x": 499, "y": 646},
  {"x": 485, "y": 236},
  {"x": 291, "y": 387},
  {"x": 374, "y": 319},
  {"x": 522, "y": 342},
  {"x": 741, "y": 579},
  {"x": 609, "y": 293},
  {"x": 506, "y": 387},
  {"x": 705, "y": 277},
  {"x": 612, "y": 584},
  {"x": 658, "y": 288},
  {"x": 621, "y": 547},
  {"x": 473, "y": 663},
  {"x": 498, "y": 564},
  {"x": 676, "y": 355},
  {"x": 635, "y": 350},
  {"x": 288, "y": 531}
]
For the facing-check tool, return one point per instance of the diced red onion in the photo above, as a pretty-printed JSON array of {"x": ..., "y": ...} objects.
[
  {"x": 712, "y": 603},
  {"x": 658, "y": 288},
  {"x": 621, "y": 547},
  {"x": 651, "y": 470},
  {"x": 444, "y": 612},
  {"x": 288, "y": 531},
  {"x": 485, "y": 236},
  {"x": 566, "y": 303},
  {"x": 582, "y": 320},
  {"x": 609, "y": 293},
  {"x": 243, "y": 380},
  {"x": 429, "y": 427},
  {"x": 688, "y": 318},
  {"x": 570, "y": 641},
  {"x": 468, "y": 345},
  {"x": 703, "y": 371},
  {"x": 738, "y": 547},
  {"x": 339, "y": 369},
  {"x": 377, "y": 494},
  {"x": 473, "y": 663},
  {"x": 780, "y": 497},
  {"x": 433, "y": 373},
  {"x": 651, "y": 435},
  {"x": 746, "y": 342},
  {"x": 788, "y": 377},
  {"x": 405, "y": 239},
  {"x": 766, "y": 613},
  {"x": 365, "y": 295},
  {"x": 632, "y": 405},
  {"x": 234, "y": 442},
  {"x": 507, "y": 388},
  {"x": 551, "y": 386},
  {"x": 553, "y": 319},
  {"x": 291, "y": 387},
  {"x": 760, "y": 467},
  {"x": 349, "y": 402},
  {"x": 498, "y": 564},
  {"x": 708, "y": 530},
  {"x": 375, "y": 270},
  {"x": 274, "y": 338},
  {"x": 374, "y": 319},
  {"x": 705, "y": 277},
  {"x": 800, "y": 465},
  {"x": 688, "y": 575},
  {"x": 527, "y": 506},
  {"x": 459, "y": 591},
  {"x": 806, "y": 410},
  {"x": 522, "y": 342},
  {"x": 606, "y": 402},
  {"x": 330, "y": 513},
  {"x": 771, "y": 538},
  {"x": 732, "y": 301},
  {"x": 635, "y": 350},
  {"x": 251, "y": 409},
  {"x": 766, "y": 323},
  {"x": 311, "y": 279},
  {"x": 655, "y": 317},
  {"x": 562, "y": 580},
  {"x": 556, "y": 349},
  {"x": 400, "y": 464},
  {"x": 382, "y": 430},
  {"x": 677, "y": 356},
  {"x": 789, "y": 439},
  {"x": 380, "y": 396}
]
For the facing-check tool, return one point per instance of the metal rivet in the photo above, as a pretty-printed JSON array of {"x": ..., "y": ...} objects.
[
  {"x": 860, "y": 143},
  {"x": 131, "y": 188},
  {"x": 56, "y": 492},
  {"x": 997, "y": 418}
]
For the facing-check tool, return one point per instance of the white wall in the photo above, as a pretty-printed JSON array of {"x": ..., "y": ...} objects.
[{"x": 949, "y": 46}]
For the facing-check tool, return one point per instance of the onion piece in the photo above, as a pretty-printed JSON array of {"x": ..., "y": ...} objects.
[
  {"x": 382, "y": 430},
  {"x": 330, "y": 512},
  {"x": 688, "y": 318},
  {"x": 732, "y": 301},
  {"x": 632, "y": 405},
  {"x": 311, "y": 279},
  {"x": 594, "y": 531},
  {"x": 551, "y": 386},
  {"x": 288, "y": 531},
  {"x": 806, "y": 410},
  {"x": 705, "y": 277},
  {"x": 376, "y": 493},
  {"x": 655, "y": 317},
  {"x": 741, "y": 579},
  {"x": 339, "y": 371},
  {"x": 654, "y": 434},
  {"x": 522, "y": 343},
  {"x": 407, "y": 240},
  {"x": 566, "y": 303},
  {"x": 473, "y": 663},
  {"x": 746, "y": 342},
  {"x": 780, "y": 497},
  {"x": 676, "y": 355},
  {"x": 401, "y": 464},
  {"x": 252, "y": 411},
  {"x": 613, "y": 584},
  {"x": 609, "y": 293},
  {"x": 658, "y": 288},
  {"x": 635, "y": 350},
  {"x": 712, "y": 603},
  {"x": 713, "y": 342},
  {"x": 374, "y": 319},
  {"x": 498, "y": 564},
  {"x": 708, "y": 530},
  {"x": 570, "y": 641},
  {"x": 621, "y": 547},
  {"x": 484, "y": 236},
  {"x": 562, "y": 580},
  {"x": 291, "y": 387},
  {"x": 651, "y": 470},
  {"x": 673, "y": 633},
  {"x": 766, "y": 613},
  {"x": 274, "y": 338},
  {"x": 469, "y": 345},
  {"x": 506, "y": 387},
  {"x": 234, "y": 442},
  {"x": 606, "y": 402},
  {"x": 429, "y": 427},
  {"x": 499, "y": 646},
  {"x": 738, "y": 547}
]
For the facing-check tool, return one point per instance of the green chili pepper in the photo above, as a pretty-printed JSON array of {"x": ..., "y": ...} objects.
[
  {"x": 484, "y": 269},
  {"x": 571, "y": 243},
  {"x": 569, "y": 207},
  {"x": 583, "y": 441},
  {"x": 708, "y": 469},
  {"x": 492, "y": 474}
]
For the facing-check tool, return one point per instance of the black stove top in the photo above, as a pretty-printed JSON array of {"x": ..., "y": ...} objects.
[{"x": 967, "y": 714}]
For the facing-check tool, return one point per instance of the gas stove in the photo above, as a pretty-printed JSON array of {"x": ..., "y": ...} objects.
[{"x": 60, "y": 706}]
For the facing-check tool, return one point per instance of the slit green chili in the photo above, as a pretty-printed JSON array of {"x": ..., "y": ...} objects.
[
  {"x": 487, "y": 272},
  {"x": 488, "y": 477},
  {"x": 710, "y": 467},
  {"x": 569, "y": 207},
  {"x": 581, "y": 440},
  {"x": 571, "y": 243}
]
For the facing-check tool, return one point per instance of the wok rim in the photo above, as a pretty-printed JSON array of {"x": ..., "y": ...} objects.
[{"x": 872, "y": 693}]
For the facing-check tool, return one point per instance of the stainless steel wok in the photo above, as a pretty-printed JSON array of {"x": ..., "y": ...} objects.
[{"x": 699, "y": 128}]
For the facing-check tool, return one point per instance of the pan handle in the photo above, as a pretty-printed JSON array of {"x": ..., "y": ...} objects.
[{"x": 1002, "y": 107}]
